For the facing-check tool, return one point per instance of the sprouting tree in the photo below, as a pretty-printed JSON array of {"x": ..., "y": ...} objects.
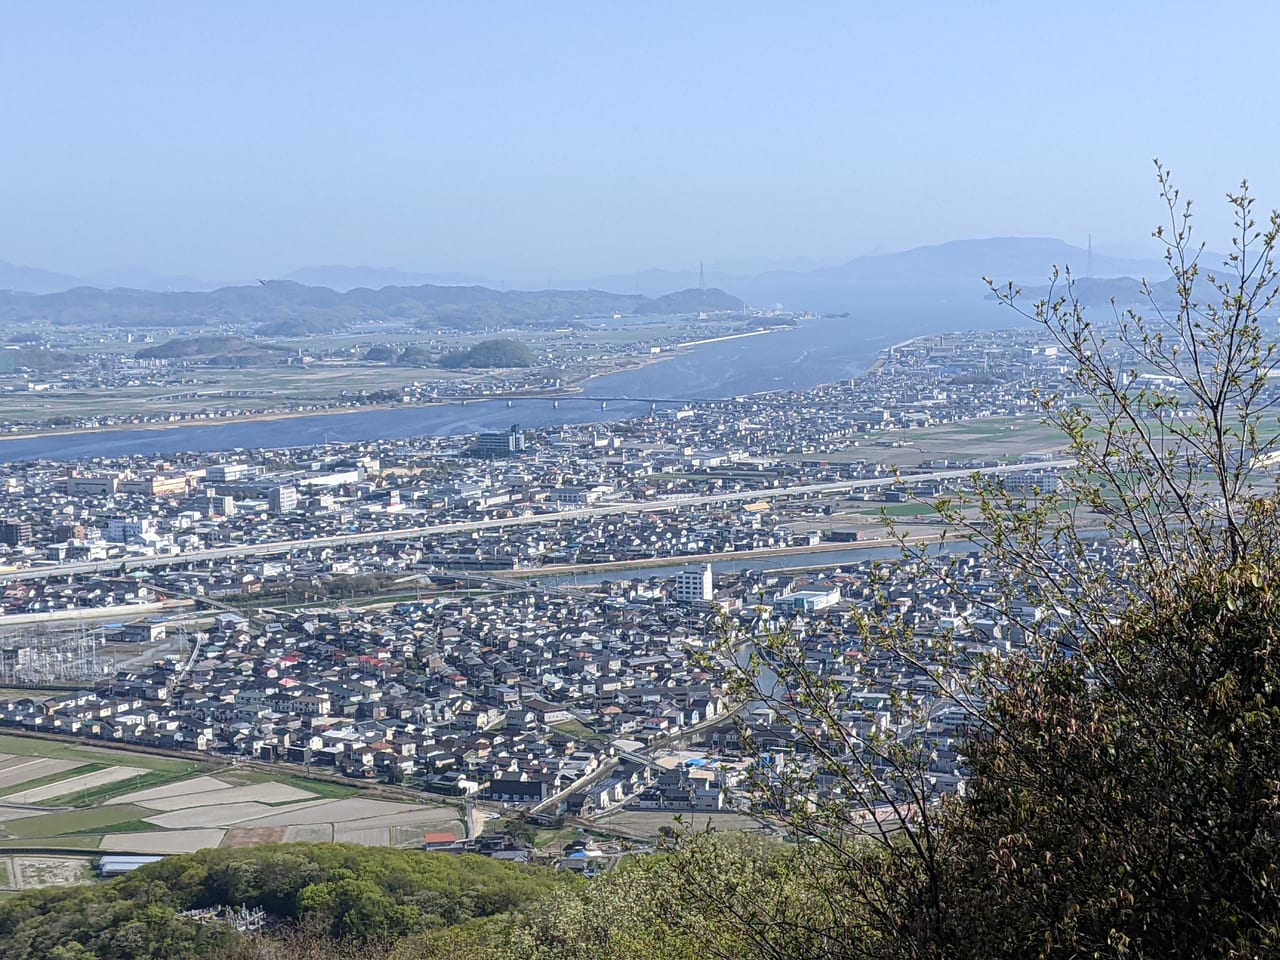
[{"x": 1116, "y": 716}]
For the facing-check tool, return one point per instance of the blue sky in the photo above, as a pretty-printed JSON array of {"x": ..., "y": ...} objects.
[{"x": 553, "y": 140}]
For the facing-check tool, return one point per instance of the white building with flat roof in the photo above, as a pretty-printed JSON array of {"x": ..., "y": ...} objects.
[{"x": 694, "y": 585}]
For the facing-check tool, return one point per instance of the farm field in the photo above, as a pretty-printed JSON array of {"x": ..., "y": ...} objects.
[
  {"x": 31, "y": 823},
  {"x": 19, "y": 771},
  {"x": 72, "y": 785},
  {"x": 988, "y": 438},
  {"x": 66, "y": 796}
]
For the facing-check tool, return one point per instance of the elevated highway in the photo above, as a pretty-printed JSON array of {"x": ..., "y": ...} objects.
[{"x": 282, "y": 547}]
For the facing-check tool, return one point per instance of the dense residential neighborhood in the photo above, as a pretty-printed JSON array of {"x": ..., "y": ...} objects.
[{"x": 407, "y": 610}]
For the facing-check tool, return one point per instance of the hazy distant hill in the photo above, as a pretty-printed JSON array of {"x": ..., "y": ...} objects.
[
  {"x": 140, "y": 278},
  {"x": 945, "y": 272},
  {"x": 34, "y": 280},
  {"x": 284, "y": 308},
  {"x": 1020, "y": 259},
  {"x": 1103, "y": 292},
  {"x": 375, "y": 278},
  {"x": 924, "y": 289}
]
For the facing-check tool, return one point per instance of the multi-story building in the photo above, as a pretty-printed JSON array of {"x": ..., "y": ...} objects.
[
  {"x": 508, "y": 444},
  {"x": 228, "y": 472},
  {"x": 1032, "y": 482},
  {"x": 15, "y": 532},
  {"x": 124, "y": 529},
  {"x": 694, "y": 585},
  {"x": 284, "y": 499},
  {"x": 103, "y": 485},
  {"x": 157, "y": 484}
]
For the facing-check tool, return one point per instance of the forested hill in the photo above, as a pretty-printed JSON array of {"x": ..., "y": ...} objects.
[
  {"x": 1105, "y": 292},
  {"x": 340, "y": 899},
  {"x": 283, "y": 308}
]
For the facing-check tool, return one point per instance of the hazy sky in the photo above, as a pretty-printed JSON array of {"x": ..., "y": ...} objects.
[{"x": 544, "y": 139}]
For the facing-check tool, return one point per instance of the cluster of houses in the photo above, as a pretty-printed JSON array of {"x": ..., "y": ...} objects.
[
  {"x": 513, "y": 699},
  {"x": 162, "y": 509},
  {"x": 564, "y": 701},
  {"x": 530, "y": 696}
]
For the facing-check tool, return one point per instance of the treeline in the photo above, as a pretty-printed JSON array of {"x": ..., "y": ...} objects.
[
  {"x": 37, "y": 359},
  {"x": 282, "y": 308},
  {"x": 485, "y": 354},
  {"x": 215, "y": 349},
  {"x": 333, "y": 894},
  {"x": 331, "y": 901}
]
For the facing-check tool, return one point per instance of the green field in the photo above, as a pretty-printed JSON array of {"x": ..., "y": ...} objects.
[
  {"x": 545, "y": 839},
  {"x": 18, "y": 693},
  {"x": 325, "y": 789},
  {"x": 51, "y": 778},
  {"x": 159, "y": 770},
  {"x": 906, "y": 510},
  {"x": 86, "y": 753},
  {"x": 576, "y": 728},
  {"x": 80, "y": 819},
  {"x": 155, "y": 778},
  {"x": 88, "y": 820}
]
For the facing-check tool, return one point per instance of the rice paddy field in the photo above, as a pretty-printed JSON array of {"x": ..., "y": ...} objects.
[
  {"x": 996, "y": 438},
  {"x": 62, "y": 798}
]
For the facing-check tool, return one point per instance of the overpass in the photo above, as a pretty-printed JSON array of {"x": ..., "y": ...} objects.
[{"x": 279, "y": 547}]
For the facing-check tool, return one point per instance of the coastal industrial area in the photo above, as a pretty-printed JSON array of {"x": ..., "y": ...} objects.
[{"x": 389, "y": 641}]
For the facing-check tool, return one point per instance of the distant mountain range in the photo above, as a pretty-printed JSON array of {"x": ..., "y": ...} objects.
[
  {"x": 140, "y": 278},
  {"x": 922, "y": 290},
  {"x": 1021, "y": 259},
  {"x": 1122, "y": 292},
  {"x": 375, "y": 278},
  {"x": 282, "y": 308},
  {"x": 951, "y": 269},
  {"x": 35, "y": 280}
]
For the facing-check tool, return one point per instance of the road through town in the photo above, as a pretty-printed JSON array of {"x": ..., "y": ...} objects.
[{"x": 278, "y": 547}]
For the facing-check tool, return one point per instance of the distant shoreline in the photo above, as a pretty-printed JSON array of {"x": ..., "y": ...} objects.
[
  {"x": 213, "y": 422},
  {"x": 573, "y": 389},
  {"x": 883, "y": 354},
  {"x": 270, "y": 416}
]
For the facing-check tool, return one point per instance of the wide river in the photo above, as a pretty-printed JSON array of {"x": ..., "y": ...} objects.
[{"x": 815, "y": 352}]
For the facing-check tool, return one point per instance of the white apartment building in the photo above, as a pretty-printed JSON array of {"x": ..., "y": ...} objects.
[{"x": 694, "y": 585}]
